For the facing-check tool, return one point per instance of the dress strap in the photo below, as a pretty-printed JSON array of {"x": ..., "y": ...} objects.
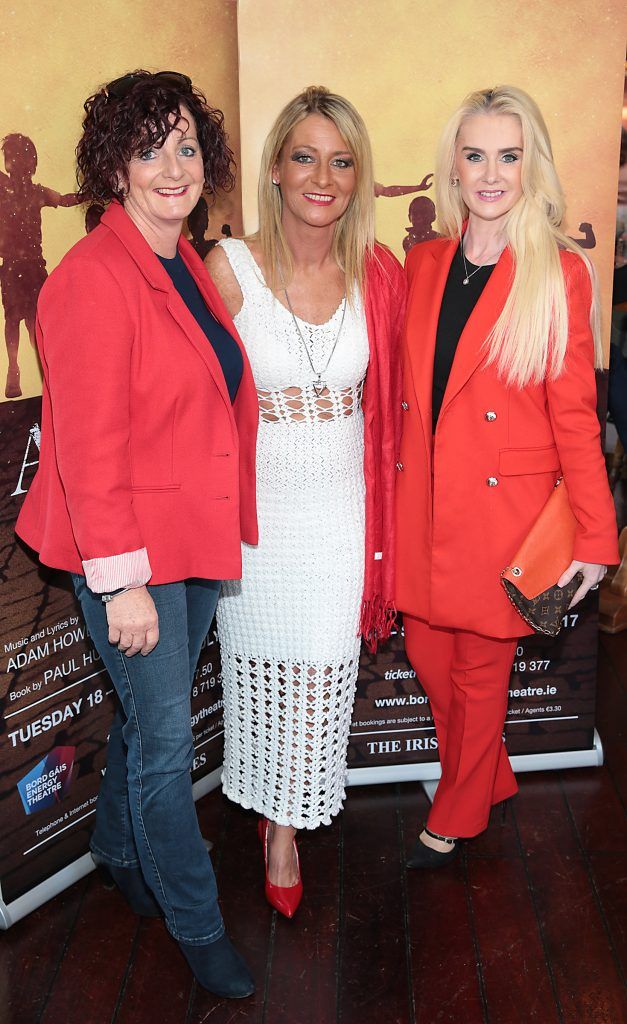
[{"x": 247, "y": 273}]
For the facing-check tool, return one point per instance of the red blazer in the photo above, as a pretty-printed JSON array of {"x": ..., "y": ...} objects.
[
  {"x": 140, "y": 445},
  {"x": 498, "y": 453}
]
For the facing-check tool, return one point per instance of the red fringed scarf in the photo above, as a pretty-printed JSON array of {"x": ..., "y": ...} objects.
[{"x": 385, "y": 298}]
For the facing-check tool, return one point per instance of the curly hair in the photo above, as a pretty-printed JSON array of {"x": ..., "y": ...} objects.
[{"x": 117, "y": 129}]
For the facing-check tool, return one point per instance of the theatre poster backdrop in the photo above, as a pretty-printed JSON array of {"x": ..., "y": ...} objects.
[{"x": 55, "y": 696}]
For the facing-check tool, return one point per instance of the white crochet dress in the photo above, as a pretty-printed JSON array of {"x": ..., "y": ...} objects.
[{"x": 288, "y": 630}]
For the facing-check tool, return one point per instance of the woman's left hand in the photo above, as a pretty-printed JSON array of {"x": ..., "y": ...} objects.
[{"x": 592, "y": 576}]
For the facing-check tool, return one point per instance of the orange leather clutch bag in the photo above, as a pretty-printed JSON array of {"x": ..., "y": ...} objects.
[{"x": 547, "y": 550}]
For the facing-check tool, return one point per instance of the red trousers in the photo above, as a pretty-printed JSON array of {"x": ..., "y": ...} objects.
[{"x": 466, "y": 678}]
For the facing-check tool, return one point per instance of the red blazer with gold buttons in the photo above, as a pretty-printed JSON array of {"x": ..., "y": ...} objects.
[
  {"x": 141, "y": 447},
  {"x": 466, "y": 498}
]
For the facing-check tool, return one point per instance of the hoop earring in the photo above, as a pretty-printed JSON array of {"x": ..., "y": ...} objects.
[{"x": 275, "y": 182}]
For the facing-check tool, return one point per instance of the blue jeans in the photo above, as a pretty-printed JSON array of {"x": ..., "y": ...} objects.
[{"x": 145, "y": 814}]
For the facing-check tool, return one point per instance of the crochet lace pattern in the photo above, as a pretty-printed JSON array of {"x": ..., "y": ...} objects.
[{"x": 288, "y": 629}]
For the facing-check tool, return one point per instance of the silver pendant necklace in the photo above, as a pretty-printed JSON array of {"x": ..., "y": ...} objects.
[
  {"x": 319, "y": 384},
  {"x": 466, "y": 279}
]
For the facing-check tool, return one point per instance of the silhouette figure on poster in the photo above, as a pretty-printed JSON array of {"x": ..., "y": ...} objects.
[
  {"x": 589, "y": 238},
  {"x": 198, "y": 222},
  {"x": 23, "y": 270},
  {"x": 421, "y": 210},
  {"x": 421, "y": 217}
]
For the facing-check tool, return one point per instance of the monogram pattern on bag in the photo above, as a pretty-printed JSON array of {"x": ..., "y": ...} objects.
[{"x": 544, "y": 613}]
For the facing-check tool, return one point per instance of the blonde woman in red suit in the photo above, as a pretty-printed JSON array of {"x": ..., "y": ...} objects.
[{"x": 499, "y": 400}]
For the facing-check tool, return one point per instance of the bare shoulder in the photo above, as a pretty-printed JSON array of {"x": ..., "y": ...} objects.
[{"x": 217, "y": 263}]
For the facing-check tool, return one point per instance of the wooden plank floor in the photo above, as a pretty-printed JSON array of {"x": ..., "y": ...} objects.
[{"x": 529, "y": 925}]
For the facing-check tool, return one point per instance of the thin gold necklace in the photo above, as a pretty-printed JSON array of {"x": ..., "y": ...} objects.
[{"x": 477, "y": 269}]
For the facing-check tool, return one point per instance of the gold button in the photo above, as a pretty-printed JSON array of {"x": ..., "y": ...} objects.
[
  {"x": 399, "y": 466},
  {"x": 490, "y": 416},
  {"x": 404, "y": 406},
  {"x": 491, "y": 481}
]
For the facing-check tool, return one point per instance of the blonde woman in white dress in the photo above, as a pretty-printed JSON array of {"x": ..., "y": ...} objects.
[{"x": 318, "y": 305}]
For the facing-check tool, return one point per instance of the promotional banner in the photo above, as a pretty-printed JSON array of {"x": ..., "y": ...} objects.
[
  {"x": 406, "y": 78},
  {"x": 551, "y": 699},
  {"x": 56, "y": 700}
]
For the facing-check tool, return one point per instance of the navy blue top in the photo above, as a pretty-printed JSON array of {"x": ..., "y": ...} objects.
[{"x": 224, "y": 345}]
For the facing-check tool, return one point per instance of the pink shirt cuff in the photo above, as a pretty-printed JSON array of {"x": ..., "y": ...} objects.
[{"x": 131, "y": 569}]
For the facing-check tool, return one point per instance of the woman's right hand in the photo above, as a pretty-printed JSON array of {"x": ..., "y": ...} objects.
[{"x": 133, "y": 622}]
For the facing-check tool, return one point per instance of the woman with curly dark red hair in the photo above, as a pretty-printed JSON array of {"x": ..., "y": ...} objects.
[{"x": 146, "y": 485}]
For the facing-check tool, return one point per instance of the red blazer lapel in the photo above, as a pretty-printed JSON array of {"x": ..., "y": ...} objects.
[
  {"x": 471, "y": 352},
  {"x": 425, "y": 299},
  {"x": 215, "y": 304},
  {"x": 117, "y": 220},
  {"x": 207, "y": 288},
  {"x": 188, "y": 322}
]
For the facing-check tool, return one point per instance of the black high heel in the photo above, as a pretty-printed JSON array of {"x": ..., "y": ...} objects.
[
  {"x": 500, "y": 809},
  {"x": 131, "y": 884},
  {"x": 426, "y": 857}
]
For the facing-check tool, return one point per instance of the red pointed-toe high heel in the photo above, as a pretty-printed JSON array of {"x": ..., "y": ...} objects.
[{"x": 284, "y": 898}]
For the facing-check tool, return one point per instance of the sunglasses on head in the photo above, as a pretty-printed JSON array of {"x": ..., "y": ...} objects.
[{"x": 120, "y": 87}]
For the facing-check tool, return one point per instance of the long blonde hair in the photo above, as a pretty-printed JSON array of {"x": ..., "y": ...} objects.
[
  {"x": 528, "y": 341},
  {"x": 353, "y": 239}
]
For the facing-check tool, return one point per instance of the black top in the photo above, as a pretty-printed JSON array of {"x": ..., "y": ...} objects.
[
  {"x": 224, "y": 345},
  {"x": 458, "y": 302}
]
